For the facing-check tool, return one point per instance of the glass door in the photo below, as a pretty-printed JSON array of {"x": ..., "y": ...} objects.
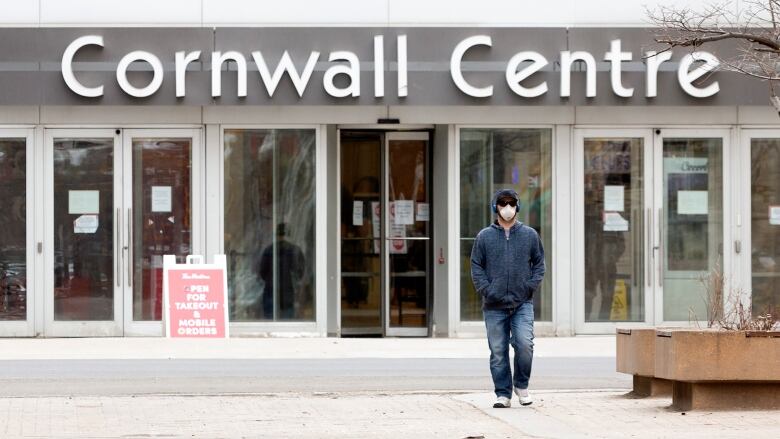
[
  {"x": 16, "y": 247},
  {"x": 614, "y": 206},
  {"x": 757, "y": 248},
  {"x": 361, "y": 236},
  {"x": 407, "y": 232},
  {"x": 160, "y": 202},
  {"x": 651, "y": 225},
  {"x": 83, "y": 221},
  {"x": 689, "y": 219},
  {"x": 116, "y": 203}
]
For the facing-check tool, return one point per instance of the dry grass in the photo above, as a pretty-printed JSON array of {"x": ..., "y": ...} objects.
[{"x": 726, "y": 308}]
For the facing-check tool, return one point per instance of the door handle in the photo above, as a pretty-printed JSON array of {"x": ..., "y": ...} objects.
[
  {"x": 661, "y": 247},
  {"x": 129, "y": 247},
  {"x": 649, "y": 251},
  {"x": 738, "y": 246},
  {"x": 118, "y": 245}
]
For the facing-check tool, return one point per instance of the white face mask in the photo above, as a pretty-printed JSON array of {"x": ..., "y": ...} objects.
[{"x": 507, "y": 212}]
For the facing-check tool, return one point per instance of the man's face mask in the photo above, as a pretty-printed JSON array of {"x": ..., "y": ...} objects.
[{"x": 507, "y": 209}]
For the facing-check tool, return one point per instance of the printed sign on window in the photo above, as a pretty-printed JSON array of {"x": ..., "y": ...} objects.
[
  {"x": 376, "y": 224},
  {"x": 614, "y": 198},
  {"x": 81, "y": 202},
  {"x": 195, "y": 297},
  {"x": 423, "y": 212},
  {"x": 692, "y": 203},
  {"x": 614, "y": 222},
  {"x": 404, "y": 212},
  {"x": 85, "y": 224},
  {"x": 161, "y": 199},
  {"x": 774, "y": 215},
  {"x": 357, "y": 213}
]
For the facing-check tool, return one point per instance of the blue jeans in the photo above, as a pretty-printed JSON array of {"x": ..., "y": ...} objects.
[{"x": 513, "y": 326}]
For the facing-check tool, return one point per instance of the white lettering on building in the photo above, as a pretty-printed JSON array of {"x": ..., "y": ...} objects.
[{"x": 342, "y": 79}]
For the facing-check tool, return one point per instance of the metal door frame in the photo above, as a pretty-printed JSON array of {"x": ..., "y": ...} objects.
[
  {"x": 743, "y": 210},
  {"x": 400, "y": 331},
  {"x": 53, "y": 328},
  {"x": 26, "y": 328},
  {"x": 725, "y": 134},
  {"x": 646, "y": 134},
  {"x": 197, "y": 182}
]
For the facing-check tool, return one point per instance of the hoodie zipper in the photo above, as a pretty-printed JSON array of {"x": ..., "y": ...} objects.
[{"x": 506, "y": 261}]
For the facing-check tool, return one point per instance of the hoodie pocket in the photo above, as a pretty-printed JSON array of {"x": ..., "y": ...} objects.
[{"x": 493, "y": 295}]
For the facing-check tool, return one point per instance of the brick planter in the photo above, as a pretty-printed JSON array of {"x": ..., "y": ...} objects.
[
  {"x": 636, "y": 357},
  {"x": 720, "y": 369}
]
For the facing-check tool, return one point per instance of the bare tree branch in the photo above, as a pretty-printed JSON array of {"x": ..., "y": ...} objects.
[{"x": 753, "y": 25}]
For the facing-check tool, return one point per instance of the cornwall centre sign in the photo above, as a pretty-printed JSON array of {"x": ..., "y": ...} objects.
[{"x": 344, "y": 70}]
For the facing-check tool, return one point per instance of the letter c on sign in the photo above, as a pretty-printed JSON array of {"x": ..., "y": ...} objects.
[
  {"x": 121, "y": 74},
  {"x": 457, "y": 58},
  {"x": 67, "y": 67}
]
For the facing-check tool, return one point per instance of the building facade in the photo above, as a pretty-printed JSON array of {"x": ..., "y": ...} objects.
[{"x": 343, "y": 157}]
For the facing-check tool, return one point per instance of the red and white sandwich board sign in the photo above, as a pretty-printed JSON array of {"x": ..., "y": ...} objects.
[{"x": 195, "y": 297}]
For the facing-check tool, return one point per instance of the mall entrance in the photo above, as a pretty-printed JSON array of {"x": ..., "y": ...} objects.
[
  {"x": 651, "y": 222},
  {"x": 115, "y": 202},
  {"x": 386, "y": 232}
]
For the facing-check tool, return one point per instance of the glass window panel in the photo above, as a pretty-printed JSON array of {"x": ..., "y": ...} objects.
[
  {"x": 161, "y": 217},
  {"x": 269, "y": 220},
  {"x": 409, "y": 280},
  {"x": 13, "y": 234},
  {"x": 361, "y": 260},
  {"x": 83, "y": 256},
  {"x": 692, "y": 223},
  {"x": 614, "y": 227},
  {"x": 491, "y": 159},
  {"x": 765, "y": 227},
  {"x": 409, "y": 283}
]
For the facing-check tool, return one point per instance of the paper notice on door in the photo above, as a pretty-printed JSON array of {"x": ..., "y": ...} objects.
[
  {"x": 376, "y": 222},
  {"x": 81, "y": 202},
  {"x": 161, "y": 198},
  {"x": 614, "y": 222},
  {"x": 614, "y": 198},
  {"x": 85, "y": 224},
  {"x": 397, "y": 246},
  {"x": 357, "y": 213},
  {"x": 774, "y": 215},
  {"x": 404, "y": 212},
  {"x": 423, "y": 212},
  {"x": 692, "y": 203}
]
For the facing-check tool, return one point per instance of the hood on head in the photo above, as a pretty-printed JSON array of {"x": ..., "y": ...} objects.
[{"x": 506, "y": 193}]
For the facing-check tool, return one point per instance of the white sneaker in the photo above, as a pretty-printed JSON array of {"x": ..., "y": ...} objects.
[
  {"x": 525, "y": 398},
  {"x": 502, "y": 402}
]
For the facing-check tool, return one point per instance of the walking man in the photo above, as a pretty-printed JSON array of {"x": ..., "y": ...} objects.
[{"x": 507, "y": 267}]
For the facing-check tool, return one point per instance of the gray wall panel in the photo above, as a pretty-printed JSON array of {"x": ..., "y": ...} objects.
[{"x": 30, "y": 66}]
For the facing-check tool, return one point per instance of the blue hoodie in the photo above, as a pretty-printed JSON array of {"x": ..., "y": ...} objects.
[{"x": 507, "y": 270}]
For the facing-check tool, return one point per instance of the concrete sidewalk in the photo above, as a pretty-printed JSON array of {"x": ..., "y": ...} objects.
[
  {"x": 612, "y": 414},
  {"x": 558, "y": 415},
  {"x": 288, "y": 348}
]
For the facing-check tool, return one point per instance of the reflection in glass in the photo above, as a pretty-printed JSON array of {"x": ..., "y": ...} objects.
[
  {"x": 361, "y": 298},
  {"x": 692, "y": 223},
  {"x": 407, "y": 187},
  {"x": 491, "y": 159},
  {"x": 269, "y": 217},
  {"x": 765, "y": 225},
  {"x": 614, "y": 225},
  {"x": 409, "y": 283},
  {"x": 161, "y": 217},
  {"x": 13, "y": 233},
  {"x": 83, "y": 229}
]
